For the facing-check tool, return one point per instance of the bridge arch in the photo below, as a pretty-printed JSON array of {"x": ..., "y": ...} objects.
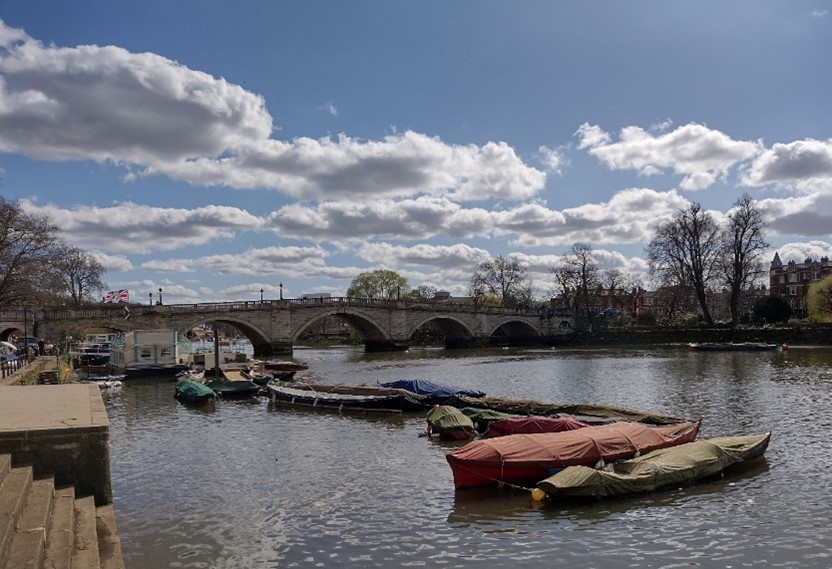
[
  {"x": 374, "y": 335},
  {"x": 456, "y": 332},
  {"x": 515, "y": 332},
  {"x": 259, "y": 339}
]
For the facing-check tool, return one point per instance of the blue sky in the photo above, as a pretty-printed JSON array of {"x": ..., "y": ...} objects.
[{"x": 214, "y": 148}]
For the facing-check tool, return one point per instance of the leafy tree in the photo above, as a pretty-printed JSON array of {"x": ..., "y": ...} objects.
[
  {"x": 744, "y": 245},
  {"x": 578, "y": 278},
  {"x": 78, "y": 273},
  {"x": 27, "y": 247},
  {"x": 687, "y": 251},
  {"x": 504, "y": 279},
  {"x": 381, "y": 284},
  {"x": 819, "y": 300},
  {"x": 771, "y": 309}
]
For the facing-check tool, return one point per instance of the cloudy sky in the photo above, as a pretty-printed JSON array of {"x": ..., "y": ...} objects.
[{"x": 215, "y": 148}]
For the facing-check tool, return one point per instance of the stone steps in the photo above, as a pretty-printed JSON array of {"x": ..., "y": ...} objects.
[{"x": 43, "y": 527}]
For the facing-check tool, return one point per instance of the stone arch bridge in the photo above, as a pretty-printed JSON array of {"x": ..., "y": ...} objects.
[{"x": 273, "y": 326}]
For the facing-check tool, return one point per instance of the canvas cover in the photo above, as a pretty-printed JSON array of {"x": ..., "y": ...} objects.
[
  {"x": 586, "y": 446},
  {"x": 674, "y": 466},
  {"x": 446, "y": 419},
  {"x": 435, "y": 391},
  {"x": 534, "y": 424},
  {"x": 193, "y": 389},
  {"x": 584, "y": 411}
]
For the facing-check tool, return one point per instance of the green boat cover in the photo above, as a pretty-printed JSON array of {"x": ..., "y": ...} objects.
[
  {"x": 231, "y": 386},
  {"x": 673, "y": 466},
  {"x": 193, "y": 390},
  {"x": 447, "y": 419},
  {"x": 583, "y": 411},
  {"x": 485, "y": 414}
]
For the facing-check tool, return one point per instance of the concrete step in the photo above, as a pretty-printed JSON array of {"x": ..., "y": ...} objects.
[
  {"x": 60, "y": 534},
  {"x": 29, "y": 542},
  {"x": 109, "y": 542},
  {"x": 85, "y": 550},
  {"x": 14, "y": 489},
  {"x": 45, "y": 527}
]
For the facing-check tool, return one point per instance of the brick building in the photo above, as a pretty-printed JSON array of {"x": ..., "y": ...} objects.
[{"x": 792, "y": 280}]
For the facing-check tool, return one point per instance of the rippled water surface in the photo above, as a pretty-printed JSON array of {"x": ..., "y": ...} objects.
[{"x": 249, "y": 485}]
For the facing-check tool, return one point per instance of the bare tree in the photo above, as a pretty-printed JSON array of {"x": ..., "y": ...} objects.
[
  {"x": 744, "y": 245},
  {"x": 27, "y": 246},
  {"x": 504, "y": 278},
  {"x": 686, "y": 251},
  {"x": 79, "y": 274},
  {"x": 578, "y": 277}
]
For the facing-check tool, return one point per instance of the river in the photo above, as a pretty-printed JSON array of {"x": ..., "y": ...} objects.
[{"x": 248, "y": 485}]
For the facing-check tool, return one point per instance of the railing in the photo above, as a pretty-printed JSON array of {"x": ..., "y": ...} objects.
[
  {"x": 12, "y": 366},
  {"x": 125, "y": 310}
]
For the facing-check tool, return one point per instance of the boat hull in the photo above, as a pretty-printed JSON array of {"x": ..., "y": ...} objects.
[
  {"x": 345, "y": 398},
  {"x": 677, "y": 466},
  {"x": 525, "y": 458},
  {"x": 734, "y": 347}
]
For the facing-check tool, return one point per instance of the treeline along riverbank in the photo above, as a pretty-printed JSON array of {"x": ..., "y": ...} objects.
[{"x": 793, "y": 334}]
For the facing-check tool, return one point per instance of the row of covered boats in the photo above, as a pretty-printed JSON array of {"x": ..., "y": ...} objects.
[{"x": 560, "y": 449}]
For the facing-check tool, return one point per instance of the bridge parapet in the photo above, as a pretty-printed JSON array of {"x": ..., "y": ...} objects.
[{"x": 271, "y": 323}]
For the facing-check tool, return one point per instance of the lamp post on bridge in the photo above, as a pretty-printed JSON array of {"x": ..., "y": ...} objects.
[
  {"x": 261, "y": 295},
  {"x": 160, "y": 296},
  {"x": 281, "y": 291},
  {"x": 25, "y": 332},
  {"x": 150, "y": 298}
]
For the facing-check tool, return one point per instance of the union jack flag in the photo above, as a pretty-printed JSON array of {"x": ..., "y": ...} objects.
[{"x": 117, "y": 296}]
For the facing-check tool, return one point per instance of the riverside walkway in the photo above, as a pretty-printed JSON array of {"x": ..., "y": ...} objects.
[{"x": 55, "y": 495}]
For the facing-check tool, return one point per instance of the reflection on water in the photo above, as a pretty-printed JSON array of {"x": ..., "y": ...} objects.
[{"x": 254, "y": 485}]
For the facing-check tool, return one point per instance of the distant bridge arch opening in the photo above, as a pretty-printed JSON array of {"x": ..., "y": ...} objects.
[
  {"x": 515, "y": 333},
  {"x": 454, "y": 331},
  {"x": 374, "y": 336},
  {"x": 259, "y": 339}
]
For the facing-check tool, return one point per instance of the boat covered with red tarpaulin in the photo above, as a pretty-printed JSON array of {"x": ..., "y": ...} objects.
[{"x": 533, "y": 457}]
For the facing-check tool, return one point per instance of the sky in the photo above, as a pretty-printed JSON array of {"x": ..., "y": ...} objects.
[{"x": 214, "y": 148}]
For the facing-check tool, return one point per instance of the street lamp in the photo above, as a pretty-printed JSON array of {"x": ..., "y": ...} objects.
[
  {"x": 160, "y": 296},
  {"x": 261, "y": 295},
  {"x": 150, "y": 298},
  {"x": 281, "y": 291},
  {"x": 25, "y": 332}
]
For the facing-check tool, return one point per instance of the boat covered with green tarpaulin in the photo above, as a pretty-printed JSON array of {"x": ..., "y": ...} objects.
[{"x": 680, "y": 465}]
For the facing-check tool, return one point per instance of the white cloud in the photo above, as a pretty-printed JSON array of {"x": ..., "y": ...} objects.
[
  {"x": 134, "y": 228},
  {"x": 157, "y": 117},
  {"x": 799, "y": 252},
  {"x": 699, "y": 154},
  {"x": 289, "y": 261},
  {"x": 800, "y": 162},
  {"x": 436, "y": 256},
  {"x": 112, "y": 263}
]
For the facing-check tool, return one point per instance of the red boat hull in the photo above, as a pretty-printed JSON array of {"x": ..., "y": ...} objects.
[{"x": 533, "y": 457}]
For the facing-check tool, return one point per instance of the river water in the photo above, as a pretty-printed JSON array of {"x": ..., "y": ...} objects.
[{"x": 248, "y": 485}]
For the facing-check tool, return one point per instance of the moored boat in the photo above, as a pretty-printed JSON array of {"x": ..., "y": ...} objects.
[
  {"x": 586, "y": 412},
  {"x": 233, "y": 389},
  {"x": 534, "y": 424},
  {"x": 277, "y": 365},
  {"x": 193, "y": 392},
  {"x": 450, "y": 423},
  {"x": 346, "y": 397},
  {"x": 533, "y": 457},
  {"x": 434, "y": 392},
  {"x": 680, "y": 465},
  {"x": 735, "y": 347}
]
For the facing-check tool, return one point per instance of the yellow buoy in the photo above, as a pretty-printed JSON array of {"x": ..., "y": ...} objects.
[{"x": 538, "y": 495}]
